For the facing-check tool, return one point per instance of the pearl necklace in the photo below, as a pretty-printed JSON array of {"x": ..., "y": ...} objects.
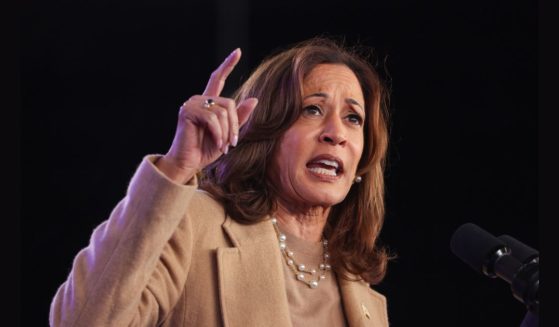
[{"x": 301, "y": 270}]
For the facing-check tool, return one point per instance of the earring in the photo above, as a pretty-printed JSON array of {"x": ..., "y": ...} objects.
[{"x": 357, "y": 179}]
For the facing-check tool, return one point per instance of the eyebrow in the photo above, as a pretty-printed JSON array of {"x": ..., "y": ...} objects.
[{"x": 324, "y": 95}]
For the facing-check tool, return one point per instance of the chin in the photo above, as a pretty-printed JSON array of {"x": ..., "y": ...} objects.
[{"x": 326, "y": 199}]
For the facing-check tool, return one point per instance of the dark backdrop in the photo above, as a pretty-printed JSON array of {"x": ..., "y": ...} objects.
[{"x": 101, "y": 83}]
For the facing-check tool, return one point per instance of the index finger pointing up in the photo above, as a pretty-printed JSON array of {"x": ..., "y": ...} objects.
[{"x": 218, "y": 77}]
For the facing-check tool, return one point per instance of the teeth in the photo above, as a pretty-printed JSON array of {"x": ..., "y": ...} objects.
[
  {"x": 329, "y": 172},
  {"x": 329, "y": 163}
]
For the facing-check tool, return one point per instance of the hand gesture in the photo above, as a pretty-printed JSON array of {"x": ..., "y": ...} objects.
[{"x": 207, "y": 125}]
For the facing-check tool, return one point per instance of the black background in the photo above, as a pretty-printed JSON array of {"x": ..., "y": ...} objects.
[{"x": 101, "y": 83}]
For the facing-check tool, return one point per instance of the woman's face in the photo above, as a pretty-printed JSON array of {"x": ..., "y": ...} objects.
[{"x": 317, "y": 157}]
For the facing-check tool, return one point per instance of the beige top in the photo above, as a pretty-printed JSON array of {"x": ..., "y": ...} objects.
[{"x": 321, "y": 306}]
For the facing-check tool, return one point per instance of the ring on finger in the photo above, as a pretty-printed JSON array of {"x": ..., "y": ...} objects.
[{"x": 208, "y": 103}]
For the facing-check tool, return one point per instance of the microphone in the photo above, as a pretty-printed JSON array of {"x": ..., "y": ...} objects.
[
  {"x": 503, "y": 257},
  {"x": 519, "y": 250}
]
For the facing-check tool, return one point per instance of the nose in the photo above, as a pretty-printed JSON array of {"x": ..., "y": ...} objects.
[{"x": 333, "y": 132}]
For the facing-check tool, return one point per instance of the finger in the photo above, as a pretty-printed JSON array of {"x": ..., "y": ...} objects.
[
  {"x": 230, "y": 124},
  {"x": 233, "y": 117},
  {"x": 218, "y": 77},
  {"x": 218, "y": 101},
  {"x": 226, "y": 111},
  {"x": 222, "y": 115},
  {"x": 214, "y": 126},
  {"x": 204, "y": 118},
  {"x": 245, "y": 109}
]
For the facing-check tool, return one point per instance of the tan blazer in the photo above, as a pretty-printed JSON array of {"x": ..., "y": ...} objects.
[{"x": 170, "y": 256}]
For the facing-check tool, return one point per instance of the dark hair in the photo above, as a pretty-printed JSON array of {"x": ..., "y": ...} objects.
[{"x": 239, "y": 179}]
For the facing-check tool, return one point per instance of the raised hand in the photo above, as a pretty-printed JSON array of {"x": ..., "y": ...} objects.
[{"x": 207, "y": 125}]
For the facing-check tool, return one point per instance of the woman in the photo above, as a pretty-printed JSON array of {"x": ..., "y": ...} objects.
[{"x": 282, "y": 228}]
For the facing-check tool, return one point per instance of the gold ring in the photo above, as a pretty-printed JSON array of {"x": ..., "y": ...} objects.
[{"x": 208, "y": 103}]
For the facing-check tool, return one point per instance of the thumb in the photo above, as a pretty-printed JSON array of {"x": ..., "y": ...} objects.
[{"x": 245, "y": 109}]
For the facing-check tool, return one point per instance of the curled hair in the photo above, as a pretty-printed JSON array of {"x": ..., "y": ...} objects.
[{"x": 240, "y": 180}]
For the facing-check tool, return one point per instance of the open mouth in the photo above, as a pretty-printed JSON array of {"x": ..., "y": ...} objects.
[{"x": 326, "y": 165}]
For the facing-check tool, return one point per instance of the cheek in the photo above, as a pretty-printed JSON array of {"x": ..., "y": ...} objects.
[
  {"x": 286, "y": 156},
  {"x": 291, "y": 145},
  {"x": 358, "y": 149}
]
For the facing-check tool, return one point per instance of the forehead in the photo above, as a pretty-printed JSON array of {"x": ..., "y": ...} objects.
[{"x": 332, "y": 77}]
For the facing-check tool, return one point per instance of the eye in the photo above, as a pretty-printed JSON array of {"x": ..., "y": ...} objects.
[
  {"x": 312, "y": 110},
  {"x": 355, "y": 119}
]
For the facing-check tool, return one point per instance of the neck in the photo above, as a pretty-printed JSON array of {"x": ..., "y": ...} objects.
[{"x": 308, "y": 224}]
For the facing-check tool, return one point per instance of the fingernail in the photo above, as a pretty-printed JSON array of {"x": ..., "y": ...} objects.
[
  {"x": 232, "y": 53},
  {"x": 235, "y": 140},
  {"x": 226, "y": 149}
]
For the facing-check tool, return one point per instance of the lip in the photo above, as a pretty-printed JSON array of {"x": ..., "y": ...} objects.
[{"x": 339, "y": 171}]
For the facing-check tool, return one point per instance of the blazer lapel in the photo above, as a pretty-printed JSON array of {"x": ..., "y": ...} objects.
[
  {"x": 363, "y": 306},
  {"x": 252, "y": 292}
]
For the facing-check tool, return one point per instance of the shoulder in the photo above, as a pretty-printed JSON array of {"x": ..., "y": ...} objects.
[
  {"x": 367, "y": 288},
  {"x": 203, "y": 203},
  {"x": 380, "y": 303},
  {"x": 205, "y": 209},
  {"x": 362, "y": 303},
  {"x": 378, "y": 297}
]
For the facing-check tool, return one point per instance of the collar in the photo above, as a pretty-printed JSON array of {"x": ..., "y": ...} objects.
[{"x": 251, "y": 291}]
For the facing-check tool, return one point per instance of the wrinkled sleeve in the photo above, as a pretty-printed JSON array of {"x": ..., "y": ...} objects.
[{"x": 133, "y": 270}]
